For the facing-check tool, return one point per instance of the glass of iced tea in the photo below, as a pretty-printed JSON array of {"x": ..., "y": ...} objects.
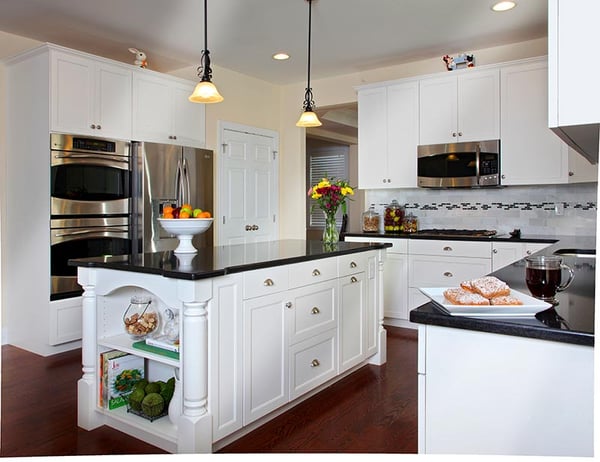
[{"x": 543, "y": 275}]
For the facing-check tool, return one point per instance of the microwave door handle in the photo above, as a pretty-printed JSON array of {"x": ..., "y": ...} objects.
[{"x": 477, "y": 153}]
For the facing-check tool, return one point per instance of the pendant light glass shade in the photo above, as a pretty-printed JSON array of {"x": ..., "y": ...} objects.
[
  {"x": 308, "y": 118},
  {"x": 205, "y": 91}
]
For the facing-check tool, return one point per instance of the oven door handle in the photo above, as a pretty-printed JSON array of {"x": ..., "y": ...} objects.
[
  {"x": 83, "y": 232},
  {"x": 92, "y": 156}
]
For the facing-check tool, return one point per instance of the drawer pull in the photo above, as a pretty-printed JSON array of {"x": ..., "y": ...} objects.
[
  {"x": 353, "y": 280},
  {"x": 448, "y": 274},
  {"x": 316, "y": 272},
  {"x": 447, "y": 249},
  {"x": 315, "y": 310},
  {"x": 288, "y": 305},
  {"x": 353, "y": 264},
  {"x": 315, "y": 363},
  {"x": 268, "y": 282},
  {"x": 528, "y": 252}
]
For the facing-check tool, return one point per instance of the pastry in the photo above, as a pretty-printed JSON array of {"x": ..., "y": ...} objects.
[
  {"x": 505, "y": 300},
  {"x": 488, "y": 286},
  {"x": 460, "y": 296}
]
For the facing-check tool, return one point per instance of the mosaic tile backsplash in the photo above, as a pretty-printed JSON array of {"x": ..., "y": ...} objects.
[{"x": 543, "y": 210}]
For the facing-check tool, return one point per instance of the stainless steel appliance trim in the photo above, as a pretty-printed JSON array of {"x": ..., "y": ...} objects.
[
  {"x": 64, "y": 142},
  {"x": 467, "y": 146},
  {"x": 60, "y": 206},
  {"x": 70, "y": 158}
]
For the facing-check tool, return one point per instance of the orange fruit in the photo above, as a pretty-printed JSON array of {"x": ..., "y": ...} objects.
[
  {"x": 167, "y": 209},
  {"x": 184, "y": 214},
  {"x": 168, "y": 215},
  {"x": 204, "y": 214}
]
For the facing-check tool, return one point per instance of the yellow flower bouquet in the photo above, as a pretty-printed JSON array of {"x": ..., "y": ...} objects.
[{"x": 330, "y": 194}]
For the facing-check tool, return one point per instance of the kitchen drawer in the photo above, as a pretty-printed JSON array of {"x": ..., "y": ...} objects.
[
  {"x": 312, "y": 363},
  {"x": 435, "y": 271},
  {"x": 313, "y": 271},
  {"x": 450, "y": 248},
  {"x": 313, "y": 310},
  {"x": 352, "y": 263},
  {"x": 266, "y": 281}
]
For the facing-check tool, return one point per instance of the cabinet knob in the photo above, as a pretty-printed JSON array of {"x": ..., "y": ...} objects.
[
  {"x": 248, "y": 228},
  {"x": 316, "y": 272},
  {"x": 268, "y": 282},
  {"x": 254, "y": 227},
  {"x": 571, "y": 173},
  {"x": 495, "y": 251},
  {"x": 447, "y": 249},
  {"x": 503, "y": 177},
  {"x": 353, "y": 264},
  {"x": 453, "y": 134},
  {"x": 98, "y": 127},
  {"x": 529, "y": 252},
  {"x": 315, "y": 310},
  {"x": 353, "y": 280},
  {"x": 459, "y": 133},
  {"x": 93, "y": 126},
  {"x": 448, "y": 274},
  {"x": 315, "y": 363},
  {"x": 174, "y": 137},
  {"x": 288, "y": 305}
]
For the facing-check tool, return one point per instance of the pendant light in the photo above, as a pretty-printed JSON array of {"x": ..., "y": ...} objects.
[
  {"x": 308, "y": 117},
  {"x": 205, "y": 91}
]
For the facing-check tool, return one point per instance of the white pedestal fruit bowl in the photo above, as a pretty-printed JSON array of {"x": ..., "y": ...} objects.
[{"x": 185, "y": 229}]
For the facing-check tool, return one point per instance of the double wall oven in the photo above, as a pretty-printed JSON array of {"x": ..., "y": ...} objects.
[{"x": 90, "y": 194}]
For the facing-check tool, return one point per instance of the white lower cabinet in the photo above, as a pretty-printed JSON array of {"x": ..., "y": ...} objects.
[
  {"x": 505, "y": 253},
  {"x": 65, "y": 321},
  {"x": 484, "y": 393},
  {"x": 353, "y": 327}
]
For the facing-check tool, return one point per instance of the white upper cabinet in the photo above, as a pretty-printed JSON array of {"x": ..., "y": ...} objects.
[
  {"x": 531, "y": 153},
  {"x": 162, "y": 112},
  {"x": 388, "y": 136},
  {"x": 90, "y": 97},
  {"x": 461, "y": 107}
]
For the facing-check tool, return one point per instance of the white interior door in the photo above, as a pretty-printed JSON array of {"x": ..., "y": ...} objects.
[{"x": 249, "y": 193}]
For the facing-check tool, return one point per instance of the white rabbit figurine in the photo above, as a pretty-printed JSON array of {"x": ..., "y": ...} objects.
[{"x": 140, "y": 58}]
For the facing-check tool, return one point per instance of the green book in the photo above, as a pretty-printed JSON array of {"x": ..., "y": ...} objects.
[{"x": 141, "y": 345}]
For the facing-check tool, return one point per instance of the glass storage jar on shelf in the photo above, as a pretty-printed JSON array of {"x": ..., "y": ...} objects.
[
  {"x": 140, "y": 317},
  {"x": 392, "y": 220},
  {"x": 370, "y": 220}
]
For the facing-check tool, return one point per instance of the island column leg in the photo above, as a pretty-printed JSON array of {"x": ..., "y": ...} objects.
[
  {"x": 195, "y": 425},
  {"x": 87, "y": 398}
]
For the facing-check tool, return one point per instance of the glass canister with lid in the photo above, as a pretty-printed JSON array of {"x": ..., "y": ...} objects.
[
  {"x": 392, "y": 220},
  {"x": 141, "y": 318},
  {"x": 370, "y": 220},
  {"x": 410, "y": 224}
]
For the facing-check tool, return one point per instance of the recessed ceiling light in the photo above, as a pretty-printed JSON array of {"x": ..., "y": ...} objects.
[
  {"x": 281, "y": 56},
  {"x": 503, "y": 6}
]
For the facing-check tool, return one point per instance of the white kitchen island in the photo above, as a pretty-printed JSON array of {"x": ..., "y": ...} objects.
[{"x": 262, "y": 326}]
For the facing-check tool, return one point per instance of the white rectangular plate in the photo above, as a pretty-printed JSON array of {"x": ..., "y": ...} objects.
[{"x": 530, "y": 305}]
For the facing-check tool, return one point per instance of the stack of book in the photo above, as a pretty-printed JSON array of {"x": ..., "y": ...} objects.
[
  {"x": 160, "y": 345},
  {"x": 119, "y": 373}
]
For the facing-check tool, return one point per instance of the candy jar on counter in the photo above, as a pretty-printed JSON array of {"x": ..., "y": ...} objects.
[
  {"x": 392, "y": 220},
  {"x": 140, "y": 318},
  {"x": 370, "y": 220},
  {"x": 410, "y": 224}
]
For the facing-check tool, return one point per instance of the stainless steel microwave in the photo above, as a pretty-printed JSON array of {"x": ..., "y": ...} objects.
[{"x": 459, "y": 165}]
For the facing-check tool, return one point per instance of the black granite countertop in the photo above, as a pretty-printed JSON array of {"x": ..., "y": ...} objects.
[
  {"x": 496, "y": 238},
  {"x": 217, "y": 261},
  {"x": 570, "y": 321}
]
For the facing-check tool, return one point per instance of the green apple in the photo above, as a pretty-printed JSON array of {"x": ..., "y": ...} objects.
[{"x": 196, "y": 213}]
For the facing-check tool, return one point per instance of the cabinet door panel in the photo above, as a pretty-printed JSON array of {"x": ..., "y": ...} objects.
[
  {"x": 312, "y": 363},
  {"x": 372, "y": 138},
  {"x": 479, "y": 106},
  {"x": 313, "y": 310},
  {"x": 151, "y": 109},
  {"x": 438, "y": 110},
  {"x": 352, "y": 320},
  {"x": 188, "y": 118},
  {"x": 114, "y": 101},
  {"x": 265, "y": 356},
  {"x": 395, "y": 284},
  {"x": 432, "y": 271}
]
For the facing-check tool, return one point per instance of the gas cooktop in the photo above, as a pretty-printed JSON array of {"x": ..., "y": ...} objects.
[{"x": 457, "y": 232}]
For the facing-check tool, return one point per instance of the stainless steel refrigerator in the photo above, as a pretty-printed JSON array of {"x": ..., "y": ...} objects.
[{"x": 162, "y": 175}]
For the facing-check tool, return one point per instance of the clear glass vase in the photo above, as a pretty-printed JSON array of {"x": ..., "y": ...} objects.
[{"x": 331, "y": 234}]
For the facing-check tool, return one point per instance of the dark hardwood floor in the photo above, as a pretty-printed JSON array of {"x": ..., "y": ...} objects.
[{"x": 374, "y": 410}]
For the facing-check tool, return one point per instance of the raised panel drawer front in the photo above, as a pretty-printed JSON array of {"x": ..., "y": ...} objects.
[
  {"x": 435, "y": 271},
  {"x": 312, "y": 363},
  {"x": 313, "y": 271},
  {"x": 352, "y": 263},
  {"x": 450, "y": 248},
  {"x": 266, "y": 281},
  {"x": 312, "y": 310}
]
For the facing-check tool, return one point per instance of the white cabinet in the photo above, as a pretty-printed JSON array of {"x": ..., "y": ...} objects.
[
  {"x": 483, "y": 393},
  {"x": 505, "y": 253},
  {"x": 388, "y": 136},
  {"x": 395, "y": 277},
  {"x": 461, "y": 107},
  {"x": 438, "y": 263},
  {"x": 90, "y": 97},
  {"x": 162, "y": 112},
  {"x": 531, "y": 153},
  {"x": 573, "y": 35},
  {"x": 353, "y": 328}
]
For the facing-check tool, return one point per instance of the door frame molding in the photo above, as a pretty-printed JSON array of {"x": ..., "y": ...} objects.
[{"x": 223, "y": 125}]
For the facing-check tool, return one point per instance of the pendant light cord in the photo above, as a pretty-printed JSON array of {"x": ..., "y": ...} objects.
[{"x": 309, "y": 35}]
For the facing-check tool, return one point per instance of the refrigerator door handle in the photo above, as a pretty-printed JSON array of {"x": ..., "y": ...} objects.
[
  {"x": 179, "y": 184},
  {"x": 186, "y": 180}
]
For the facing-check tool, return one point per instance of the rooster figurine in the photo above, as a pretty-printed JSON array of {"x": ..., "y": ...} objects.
[{"x": 140, "y": 58}]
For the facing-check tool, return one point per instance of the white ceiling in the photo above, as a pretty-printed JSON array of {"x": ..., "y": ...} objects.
[{"x": 348, "y": 35}]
